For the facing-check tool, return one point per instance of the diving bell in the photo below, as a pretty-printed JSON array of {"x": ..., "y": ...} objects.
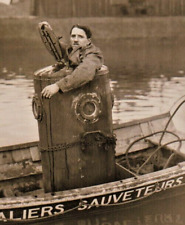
[{"x": 77, "y": 144}]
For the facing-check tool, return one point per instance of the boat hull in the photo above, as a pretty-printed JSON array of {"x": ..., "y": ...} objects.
[
  {"x": 40, "y": 206},
  {"x": 48, "y": 206}
]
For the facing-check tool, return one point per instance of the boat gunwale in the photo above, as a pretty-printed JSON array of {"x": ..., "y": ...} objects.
[
  {"x": 115, "y": 127},
  {"x": 143, "y": 120},
  {"x": 19, "y": 146},
  {"x": 98, "y": 190}
]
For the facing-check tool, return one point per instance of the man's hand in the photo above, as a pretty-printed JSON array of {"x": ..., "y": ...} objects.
[{"x": 50, "y": 90}]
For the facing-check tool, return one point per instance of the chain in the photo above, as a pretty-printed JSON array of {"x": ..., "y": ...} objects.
[
  {"x": 101, "y": 140},
  {"x": 59, "y": 147}
]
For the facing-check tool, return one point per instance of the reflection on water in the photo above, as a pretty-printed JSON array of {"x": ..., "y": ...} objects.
[
  {"x": 16, "y": 124},
  {"x": 133, "y": 99},
  {"x": 142, "y": 86},
  {"x": 138, "y": 99}
]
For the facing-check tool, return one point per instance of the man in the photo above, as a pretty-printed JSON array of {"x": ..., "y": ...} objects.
[{"x": 83, "y": 57}]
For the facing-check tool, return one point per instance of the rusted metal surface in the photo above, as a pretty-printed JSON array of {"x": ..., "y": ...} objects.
[{"x": 62, "y": 122}]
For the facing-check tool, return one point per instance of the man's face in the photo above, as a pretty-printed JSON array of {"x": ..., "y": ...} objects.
[{"x": 78, "y": 38}]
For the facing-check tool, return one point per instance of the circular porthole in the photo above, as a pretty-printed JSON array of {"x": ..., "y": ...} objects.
[
  {"x": 87, "y": 107},
  {"x": 37, "y": 108}
]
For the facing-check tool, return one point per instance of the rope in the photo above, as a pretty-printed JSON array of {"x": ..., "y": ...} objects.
[
  {"x": 183, "y": 96},
  {"x": 160, "y": 140},
  {"x": 168, "y": 161},
  {"x": 171, "y": 117},
  {"x": 161, "y": 146},
  {"x": 137, "y": 140}
]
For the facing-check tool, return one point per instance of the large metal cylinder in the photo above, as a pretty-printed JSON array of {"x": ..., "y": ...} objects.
[{"x": 75, "y": 131}]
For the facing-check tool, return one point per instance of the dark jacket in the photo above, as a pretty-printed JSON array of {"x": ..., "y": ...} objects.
[{"x": 85, "y": 63}]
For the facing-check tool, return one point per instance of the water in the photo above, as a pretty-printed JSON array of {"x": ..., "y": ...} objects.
[
  {"x": 142, "y": 86},
  {"x": 17, "y": 122},
  {"x": 133, "y": 99}
]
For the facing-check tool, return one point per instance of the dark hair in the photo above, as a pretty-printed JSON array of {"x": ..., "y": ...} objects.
[{"x": 84, "y": 28}]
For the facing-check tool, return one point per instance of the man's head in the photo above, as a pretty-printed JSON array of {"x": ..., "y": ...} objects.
[{"x": 80, "y": 36}]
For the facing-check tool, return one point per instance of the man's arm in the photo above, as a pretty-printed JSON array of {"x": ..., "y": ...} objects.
[{"x": 84, "y": 73}]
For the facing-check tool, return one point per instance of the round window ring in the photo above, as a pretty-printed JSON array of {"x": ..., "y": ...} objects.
[
  {"x": 88, "y": 107},
  {"x": 37, "y": 108}
]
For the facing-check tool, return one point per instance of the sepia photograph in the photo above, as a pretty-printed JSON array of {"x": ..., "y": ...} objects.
[{"x": 92, "y": 112}]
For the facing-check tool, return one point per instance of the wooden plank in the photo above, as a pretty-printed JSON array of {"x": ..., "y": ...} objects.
[
  {"x": 89, "y": 8},
  {"x": 21, "y": 155},
  {"x": 160, "y": 124},
  {"x": 122, "y": 146},
  {"x": 119, "y": 2},
  {"x": 73, "y": 8},
  {"x": 172, "y": 147},
  {"x": 35, "y": 154},
  {"x": 18, "y": 146},
  {"x": 128, "y": 132},
  {"x": 65, "y": 8},
  {"x": 168, "y": 137},
  {"x": 75, "y": 166},
  {"x": 5, "y": 157},
  {"x": 122, "y": 172},
  {"x": 44, "y": 133},
  {"x": 126, "y": 136},
  {"x": 47, "y": 174},
  {"x": 17, "y": 170},
  {"x": 139, "y": 121},
  {"x": 182, "y": 7},
  {"x": 145, "y": 128},
  {"x": 60, "y": 170}
]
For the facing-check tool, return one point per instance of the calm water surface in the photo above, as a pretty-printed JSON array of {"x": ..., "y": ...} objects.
[
  {"x": 134, "y": 99},
  {"x": 141, "y": 86}
]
